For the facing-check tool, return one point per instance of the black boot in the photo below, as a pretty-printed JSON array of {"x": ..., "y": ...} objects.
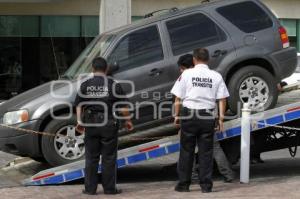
[
  {"x": 181, "y": 188},
  {"x": 89, "y": 193},
  {"x": 113, "y": 192}
]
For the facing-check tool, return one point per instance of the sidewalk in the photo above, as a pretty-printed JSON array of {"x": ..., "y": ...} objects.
[
  {"x": 277, "y": 178},
  {"x": 270, "y": 188}
]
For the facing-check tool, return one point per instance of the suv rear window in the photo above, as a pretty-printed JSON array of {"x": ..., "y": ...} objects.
[
  {"x": 247, "y": 16},
  {"x": 193, "y": 31}
]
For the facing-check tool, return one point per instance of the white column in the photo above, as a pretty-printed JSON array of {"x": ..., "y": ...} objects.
[
  {"x": 114, "y": 13},
  {"x": 245, "y": 144}
]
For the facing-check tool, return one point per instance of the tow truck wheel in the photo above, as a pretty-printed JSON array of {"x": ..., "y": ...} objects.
[
  {"x": 66, "y": 145},
  {"x": 254, "y": 85}
]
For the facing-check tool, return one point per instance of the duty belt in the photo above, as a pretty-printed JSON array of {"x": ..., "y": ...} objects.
[
  {"x": 199, "y": 111},
  {"x": 92, "y": 116},
  {"x": 90, "y": 111},
  {"x": 97, "y": 113}
]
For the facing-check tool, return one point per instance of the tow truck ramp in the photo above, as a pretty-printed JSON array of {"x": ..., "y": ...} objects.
[{"x": 170, "y": 145}]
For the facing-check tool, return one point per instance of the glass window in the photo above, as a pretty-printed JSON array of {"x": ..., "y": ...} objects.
[
  {"x": 247, "y": 16},
  {"x": 138, "y": 48},
  {"x": 83, "y": 63},
  {"x": 136, "y": 18},
  {"x": 193, "y": 31},
  {"x": 290, "y": 25},
  {"x": 19, "y": 26},
  {"x": 60, "y": 26},
  {"x": 89, "y": 26},
  {"x": 38, "y": 49},
  {"x": 10, "y": 67}
]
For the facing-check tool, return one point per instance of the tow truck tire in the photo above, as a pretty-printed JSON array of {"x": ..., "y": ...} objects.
[
  {"x": 50, "y": 150},
  {"x": 238, "y": 86}
]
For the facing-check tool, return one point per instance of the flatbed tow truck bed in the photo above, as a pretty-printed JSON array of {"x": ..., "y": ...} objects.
[{"x": 287, "y": 110}]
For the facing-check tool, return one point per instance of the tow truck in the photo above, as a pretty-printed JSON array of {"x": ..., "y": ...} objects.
[{"x": 281, "y": 125}]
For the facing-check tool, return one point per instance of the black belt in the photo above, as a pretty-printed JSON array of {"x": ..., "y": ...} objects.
[
  {"x": 199, "y": 111},
  {"x": 98, "y": 113},
  {"x": 89, "y": 111}
]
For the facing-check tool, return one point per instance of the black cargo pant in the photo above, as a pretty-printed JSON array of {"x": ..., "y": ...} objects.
[
  {"x": 201, "y": 132},
  {"x": 101, "y": 141}
]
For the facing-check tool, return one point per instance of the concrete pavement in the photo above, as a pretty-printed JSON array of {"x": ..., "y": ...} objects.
[
  {"x": 5, "y": 158},
  {"x": 260, "y": 188},
  {"x": 277, "y": 178}
]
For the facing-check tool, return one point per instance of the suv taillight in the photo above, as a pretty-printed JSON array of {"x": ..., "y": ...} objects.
[{"x": 284, "y": 37}]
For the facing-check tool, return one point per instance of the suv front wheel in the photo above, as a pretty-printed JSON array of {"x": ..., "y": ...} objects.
[
  {"x": 66, "y": 145},
  {"x": 253, "y": 85}
]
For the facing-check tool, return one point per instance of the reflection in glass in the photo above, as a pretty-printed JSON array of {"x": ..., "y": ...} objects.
[{"x": 83, "y": 63}]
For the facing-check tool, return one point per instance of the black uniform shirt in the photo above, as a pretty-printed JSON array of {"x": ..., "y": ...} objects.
[{"x": 99, "y": 89}]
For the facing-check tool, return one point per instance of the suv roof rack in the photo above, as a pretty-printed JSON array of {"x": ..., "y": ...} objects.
[{"x": 151, "y": 14}]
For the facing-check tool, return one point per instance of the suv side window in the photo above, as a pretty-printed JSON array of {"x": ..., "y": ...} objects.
[
  {"x": 247, "y": 16},
  {"x": 138, "y": 48},
  {"x": 192, "y": 31}
]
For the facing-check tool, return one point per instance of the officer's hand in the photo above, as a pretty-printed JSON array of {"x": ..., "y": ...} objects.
[
  {"x": 129, "y": 126},
  {"x": 177, "y": 122},
  {"x": 221, "y": 126},
  {"x": 80, "y": 129}
]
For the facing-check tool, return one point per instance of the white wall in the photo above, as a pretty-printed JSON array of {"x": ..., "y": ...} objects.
[
  {"x": 142, "y": 7},
  {"x": 281, "y": 8},
  {"x": 114, "y": 13},
  {"x": 284, "y": 8}
]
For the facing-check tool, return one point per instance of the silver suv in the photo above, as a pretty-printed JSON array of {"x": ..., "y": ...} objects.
[{"x": 247, "y": 44}]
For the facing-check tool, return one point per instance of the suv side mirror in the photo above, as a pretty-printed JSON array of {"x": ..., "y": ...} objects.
[{"x": 112, "y": 68}]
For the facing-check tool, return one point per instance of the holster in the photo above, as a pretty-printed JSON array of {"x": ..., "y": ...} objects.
[{"x": 97, "y": 117}]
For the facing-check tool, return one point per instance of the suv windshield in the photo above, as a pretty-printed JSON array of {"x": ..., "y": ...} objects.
[{"x": 83, "y": 63}]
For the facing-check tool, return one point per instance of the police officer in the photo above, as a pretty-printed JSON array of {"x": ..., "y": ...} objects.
[
  {"x": 95, "y": 102},
  {"x": 198, "y": 89},
  {"x": 185, "y": 62}
]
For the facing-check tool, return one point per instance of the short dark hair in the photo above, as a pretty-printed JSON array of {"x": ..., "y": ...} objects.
[
  {"x": 186, "y": 61},
  {"x": 201, "y": 54},
  {"x": 99, "y": 64}
]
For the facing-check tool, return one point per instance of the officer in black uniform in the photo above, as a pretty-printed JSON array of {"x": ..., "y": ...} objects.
[
  {"x": 95, "y": 115},
  {"x": 198, "y": 89}
]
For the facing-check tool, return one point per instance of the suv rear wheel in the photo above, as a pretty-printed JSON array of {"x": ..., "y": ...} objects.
[
  {"x": 66, "y": 145},
  {"x": 253, "y": 85}
]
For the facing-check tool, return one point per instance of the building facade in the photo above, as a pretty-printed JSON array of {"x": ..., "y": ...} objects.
[{"x": 39, "y": 39}]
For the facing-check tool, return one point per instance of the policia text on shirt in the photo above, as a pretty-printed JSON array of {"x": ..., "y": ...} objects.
[
  {"x": 202, "y": 82},
  {"x": 198, "y": 88},
  {"x": 95, "y": 101}
]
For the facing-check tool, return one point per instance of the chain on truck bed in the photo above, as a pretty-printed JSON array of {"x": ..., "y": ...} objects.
[
  {"x": 133, "y": 138},
  {"x": 53, "y": 135}
]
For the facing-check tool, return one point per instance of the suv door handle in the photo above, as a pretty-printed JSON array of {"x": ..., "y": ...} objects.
[
  {"x": 155, "y": 72},
  {"x": 219, "y": 53}
]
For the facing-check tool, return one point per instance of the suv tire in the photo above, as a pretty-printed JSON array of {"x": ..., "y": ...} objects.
[
  {"x": 66, "y": 146},
  {"x": 252, "y": 83}
]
